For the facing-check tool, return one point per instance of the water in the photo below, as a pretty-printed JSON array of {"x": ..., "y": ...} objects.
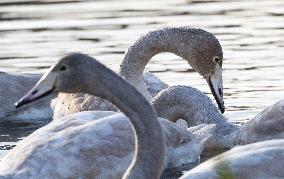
[{"x": 33, "y": 35}]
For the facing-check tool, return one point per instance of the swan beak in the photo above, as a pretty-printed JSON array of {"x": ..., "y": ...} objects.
[
  {"x": 215, "y": 83},
  {"x": 44, "y": 87}
]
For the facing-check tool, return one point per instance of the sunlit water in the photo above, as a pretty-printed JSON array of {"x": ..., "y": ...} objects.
[{"x": 34, "y": 35}]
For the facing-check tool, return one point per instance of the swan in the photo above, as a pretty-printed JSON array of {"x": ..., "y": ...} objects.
[
  {"x": 193, "y": 106},
  {"x": 198, "y": 47},
  {"x": 98, "y": 144},
  {"x": 258, "y": 160}
]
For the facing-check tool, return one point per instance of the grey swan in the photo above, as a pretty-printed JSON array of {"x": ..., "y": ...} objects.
[
  {"x": 198, "y": 47},
  {"x": 98, "y": 144}
]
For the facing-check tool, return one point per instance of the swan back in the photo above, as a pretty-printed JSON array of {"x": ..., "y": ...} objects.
[
  {"x": 268, "y": 124},
  {"x": 257, "y": 160}
]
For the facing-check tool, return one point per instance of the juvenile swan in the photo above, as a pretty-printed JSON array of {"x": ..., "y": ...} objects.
[
  {"x": 78, "y": 146},
  {"x": 198, "y": 47},
  {"x": 259, "y": 160},
  {"x": 190, "y": 104},
  {"x": 65, "y": 77}
]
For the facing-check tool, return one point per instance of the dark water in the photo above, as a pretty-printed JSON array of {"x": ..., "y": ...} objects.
[{"x": 34, "y": 34}]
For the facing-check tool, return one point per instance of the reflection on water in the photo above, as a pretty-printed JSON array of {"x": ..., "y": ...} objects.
[{"x": 34, "y": 34}]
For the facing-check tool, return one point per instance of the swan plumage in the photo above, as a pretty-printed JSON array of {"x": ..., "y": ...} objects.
[
  {"x": 259, "y": 160},
  {"x": 91, "y": 143},
  {"x": 99, "y": 144}
]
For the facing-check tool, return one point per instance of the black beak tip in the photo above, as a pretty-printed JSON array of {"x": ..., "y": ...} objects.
[
  {"x": 221, "y": 106},
  {"x": 222, "y": 109}
]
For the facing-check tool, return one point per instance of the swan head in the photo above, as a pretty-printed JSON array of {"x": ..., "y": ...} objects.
[
  {"x": 65, "y": 76},
  {"x": 205, "y": 55}
]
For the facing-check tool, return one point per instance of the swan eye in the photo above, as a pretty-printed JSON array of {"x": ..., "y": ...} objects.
[
  {"x": 218, "y": 60},
  {"x": 62, "y": 68}
]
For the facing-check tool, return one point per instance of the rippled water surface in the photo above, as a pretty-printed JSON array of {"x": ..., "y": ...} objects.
[{"x": 35, "y": 34}]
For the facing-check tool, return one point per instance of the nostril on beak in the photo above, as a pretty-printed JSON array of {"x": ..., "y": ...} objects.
[
  {"x": 220, "y": 92},
  {"x": 34, "y": 92}
]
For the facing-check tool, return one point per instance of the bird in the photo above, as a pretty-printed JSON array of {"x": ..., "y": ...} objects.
[
  {"x": 197, "y": 109},
  {"x": 98, "y": 144},
  {"x": 257, "y": 160},
  {"x": 201, "y": 50}
]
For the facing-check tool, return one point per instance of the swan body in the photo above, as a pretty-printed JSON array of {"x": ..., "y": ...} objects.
[
  {"x": 98, "y": 144},
  {"x": 64, "y": 77},
  {"x": 193, "y": 106},
  {"x": 259, "y": 160},
  {"x": 266, "y": 125}
]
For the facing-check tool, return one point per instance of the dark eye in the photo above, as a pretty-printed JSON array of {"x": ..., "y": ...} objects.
[
  {"x": 217, "y": 60},
  {"x": 62, "y": 68}
]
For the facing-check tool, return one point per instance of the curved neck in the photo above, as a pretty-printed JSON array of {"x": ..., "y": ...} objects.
[
  {"x": 173, "y": 40},
  {"x": 150, "y": 147},
  {"x": 190, "y": 104}
]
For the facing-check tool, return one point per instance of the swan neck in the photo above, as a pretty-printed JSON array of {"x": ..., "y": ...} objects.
[
  {"x": 182, "y": 102},
  {"x": 138, "y": 55},
  {"x": 150, "y": 147}
]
